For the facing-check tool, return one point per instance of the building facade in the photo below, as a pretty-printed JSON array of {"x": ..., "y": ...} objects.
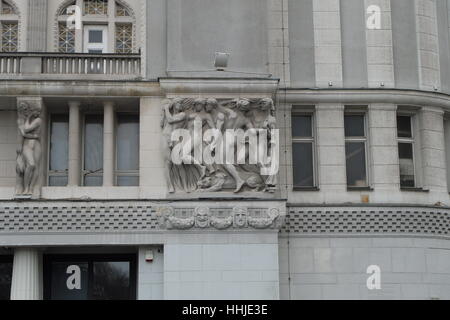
[{"x": 355, "y": 96}]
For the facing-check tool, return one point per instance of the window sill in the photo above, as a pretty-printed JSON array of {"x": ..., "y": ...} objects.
[
  {"x": 310, "y": 189},
  {"x": 415, "y": 190},
  {"x": 356, "y": 189}
]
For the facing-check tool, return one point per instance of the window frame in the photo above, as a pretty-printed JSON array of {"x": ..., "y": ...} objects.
[
  {"x": 83, "y": 172},
  {"x": 90, "y": 259},
  {"x": 413, "y": 140},
  {"x": 53, "y": 173},
  {"x": 110, "y": 20},
  {"x": 358, "y": 111},
  {"x": 310, "y": 112},
  {"x": 124, "y": 173},
  {"x": 10, "y": 18}
]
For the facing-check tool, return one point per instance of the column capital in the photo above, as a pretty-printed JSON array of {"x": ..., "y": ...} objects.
[
  {"x": 74, "y": 103},
  {"x": 437, "y": 110},
  {"x": 109, "y": 104}
]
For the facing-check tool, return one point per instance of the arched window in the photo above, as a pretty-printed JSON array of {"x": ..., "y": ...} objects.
[
  {"x": 9, "y": 27},
  {"x": 107, "y": 26}
]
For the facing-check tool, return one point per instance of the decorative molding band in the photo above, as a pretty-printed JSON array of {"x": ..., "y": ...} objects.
[
  {"x": 367, "y": 221},
  {"x": 218, "y": 87},
  {"x": 25, "y": 218},
  {"x": 364, "y": 96}
]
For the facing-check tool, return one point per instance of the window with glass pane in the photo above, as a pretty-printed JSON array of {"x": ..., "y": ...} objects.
[
  {"x": 303, "y": 151},
  {"x": 90, "y": 277},
  {"x": 59, "y": 151},
  {"x": 406, "y": 151},
  {"x": 93, "y": 151},
  {"x": 95, "y": 7},
  {"x": 10, "y": 36},
  {"x": 355, "y": 151},
  {"x": 127, "y": 164},
  {"x": 124, "y": 38},
  {"x": 6, "y": 266},
  {"x": 66, "y": 39},
  {"x": 111, "y": 280}
]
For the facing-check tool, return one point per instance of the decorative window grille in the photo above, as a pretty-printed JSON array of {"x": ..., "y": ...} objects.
[
  {"x": 121, "y": 10},
  {"x": 10, "y": 32},
  {"x": 7, "y": 8},
  {"x": 95, "y": 12},
  {"x": 66, "y": 40},
  {"x": 95, "y": 7},
  {"x": 124, "y": 38}
]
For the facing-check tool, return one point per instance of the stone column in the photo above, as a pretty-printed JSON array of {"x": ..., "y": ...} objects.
[
  {"x": 433, "y": 149},
  {"x": 37, "y": 26},
  {"x": 108, "y": 144},
  {"x": 74, "y": 144},
  {"x": 79, "y": 36},
  {"x": 27, "y": 275},
  {"x": 111, "y": 26}
]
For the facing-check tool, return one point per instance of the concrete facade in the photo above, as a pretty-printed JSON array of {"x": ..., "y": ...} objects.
[{"x": 314, "y": 57}]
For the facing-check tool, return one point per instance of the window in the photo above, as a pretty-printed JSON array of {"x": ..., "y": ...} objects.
[
  {"x": 95, "y": 39},
  {"x": 9, "y": 27},
  {"x": 6, "y": 267},
  {"x": 95, "y": 7},
  {"x": 59, "y": 151},
  {"x": 90, "y": 277},
  {"x": 96, "y": 22},
  {"x": 355, "y": 150},
  {"x": 127, "y": 150},
  {"x": 7, "y": 8},
  {"x": 121, "y": 10},
  {"x": 66, "y": 39},
  {"x": 124, "y": 38},
  {"x": 303, "y": 151},
  {"x": 405, "y": 134},
  {"x": 93, "y": 151}
]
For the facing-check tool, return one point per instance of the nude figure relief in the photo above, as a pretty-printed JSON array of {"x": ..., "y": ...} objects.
[
  {"x": 29, "y": 151},
  {"x": 198, "y": 132}
]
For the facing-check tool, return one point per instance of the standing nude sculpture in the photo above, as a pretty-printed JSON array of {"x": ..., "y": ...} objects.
[{"x": 29, "y": 150}]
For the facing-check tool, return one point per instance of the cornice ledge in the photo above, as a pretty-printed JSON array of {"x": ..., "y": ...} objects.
[
  {"x": 175, "y": 87},
  {"x": 365, "y": 96}
]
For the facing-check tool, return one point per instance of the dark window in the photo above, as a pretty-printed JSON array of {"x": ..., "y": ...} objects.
[
  {"x": 303, "y": 151},
  {"x": 127, "y": 165},
  {"x": 90, "y": 277},
  {"x": 406, "y": 158},
  {"x": 6, "y": 266},
  {"x": 404, "y": 127},
  {"x": 355, "y": 151},
  {"x": 59, "y": 151},
  {"x": 406, "y": 151},
  {"x": 95, "y": 36},
  {"x": 93, "y": 151}
]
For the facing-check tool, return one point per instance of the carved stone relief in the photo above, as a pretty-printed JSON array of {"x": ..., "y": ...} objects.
[
  {"x": 196, "y": 131},
  {"x": 29, "y": 150}
]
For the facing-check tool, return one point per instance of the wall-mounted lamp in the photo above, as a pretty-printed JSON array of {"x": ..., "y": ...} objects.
[{"x": 149, "y": 257}]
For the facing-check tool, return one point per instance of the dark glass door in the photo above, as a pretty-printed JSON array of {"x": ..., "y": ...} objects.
[{"x": 90, "y": 277}]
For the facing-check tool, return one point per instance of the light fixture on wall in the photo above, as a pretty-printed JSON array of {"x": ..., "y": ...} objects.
[
  {"x": 149, "y": 257},
  {"x": 221, "y": 61}
]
